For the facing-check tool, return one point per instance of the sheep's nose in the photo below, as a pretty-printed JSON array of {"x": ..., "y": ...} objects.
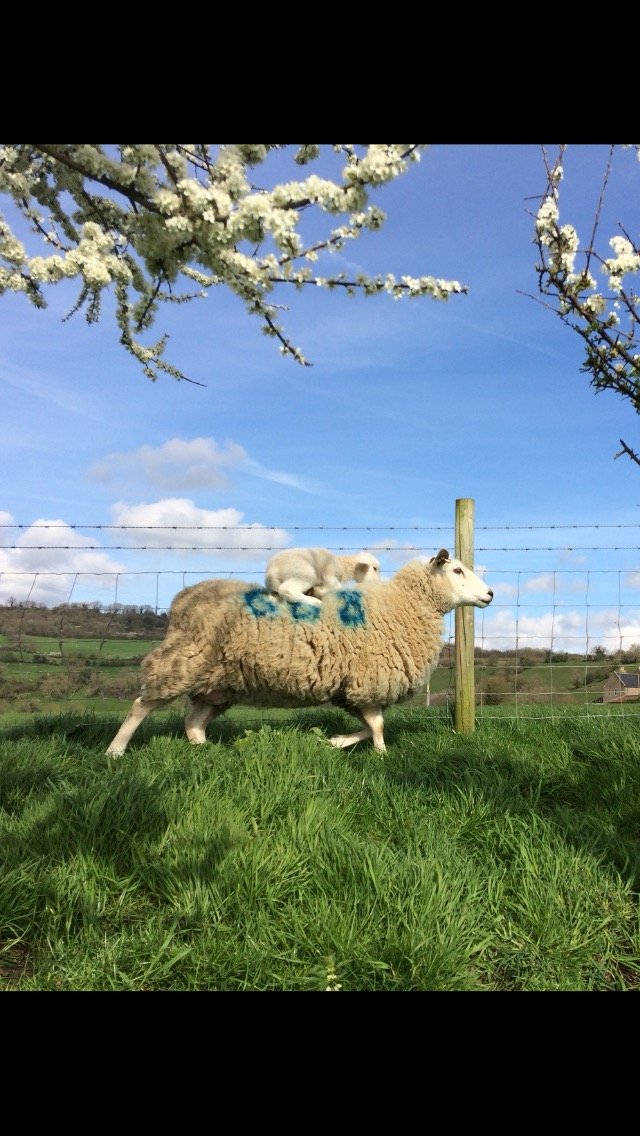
[{"x": 491, "y": 592}]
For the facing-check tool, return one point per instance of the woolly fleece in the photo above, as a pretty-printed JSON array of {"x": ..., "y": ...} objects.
[{"x": 374, "y": 644}]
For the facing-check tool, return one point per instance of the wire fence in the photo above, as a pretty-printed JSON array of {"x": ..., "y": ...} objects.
[{"x": 561, "y": 636}]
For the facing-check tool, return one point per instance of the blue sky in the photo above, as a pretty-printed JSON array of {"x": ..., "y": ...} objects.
[{"x": 408, "y": 406}]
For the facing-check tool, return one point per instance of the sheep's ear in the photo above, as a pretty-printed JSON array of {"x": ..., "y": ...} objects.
[{"x": 441, "y": 556}]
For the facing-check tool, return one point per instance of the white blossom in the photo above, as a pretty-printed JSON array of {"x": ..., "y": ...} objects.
[
  {"x": 144, "y": 217},
  {"x": 594, "y": 305},
  {"x": 11, "y": 249},
  {"x": 547, "y": 220},
  {"x": 626, "y": 260}
]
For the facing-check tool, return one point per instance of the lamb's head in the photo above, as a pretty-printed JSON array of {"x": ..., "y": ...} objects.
[
  {"x": 463, "y": 587},
  {"x": 367, "y": 568}
]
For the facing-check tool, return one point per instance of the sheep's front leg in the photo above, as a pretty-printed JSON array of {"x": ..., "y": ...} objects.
[
  {"x": 136, "y": 715},
  {"x": 374, "y": 722}
]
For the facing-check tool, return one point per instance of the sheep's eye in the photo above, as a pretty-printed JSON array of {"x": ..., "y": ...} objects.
[{"x": 458, "y": 571}]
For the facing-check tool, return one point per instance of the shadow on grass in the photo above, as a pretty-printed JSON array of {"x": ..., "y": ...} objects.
[
  {"x": 97, "y": 729},
  {"x": 583, "y": 779}
]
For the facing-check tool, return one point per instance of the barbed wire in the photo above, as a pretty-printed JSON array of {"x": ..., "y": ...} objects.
[
  {"x": 567, "y": 628},
  {"x": 314, "y": 528},
  {"x": 270, "y": 548},
  {"x": 509, "y": 571}
]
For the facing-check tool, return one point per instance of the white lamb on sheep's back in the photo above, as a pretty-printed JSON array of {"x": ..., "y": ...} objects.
[
  {"x": 308, "y": 574},
  {"x": 362, "y": 650}
]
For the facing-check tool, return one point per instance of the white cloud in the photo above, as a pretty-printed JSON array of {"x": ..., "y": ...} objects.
[
  {"x": 177, "y": 522},
  {"x": 576, "y": 631},
  {"x": 544, "y": 583},
  {"x": 550, "y": 582},
  {"x": 6, "y": 533},
  {"x": 178, "y": 465},
  {"x": 397, "y": 552},
  {"x": 506, "y": 591},
  {"x": 568, "y": 556},
  {"x": 553, "y": 582},
  {"x": 45, "y": 563}
]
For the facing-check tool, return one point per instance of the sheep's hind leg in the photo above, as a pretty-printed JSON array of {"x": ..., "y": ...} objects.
[
  {"x": 136, "y": 715},
  {"x": 199, "y": 713},
  {"x": 374, "y": 722}
]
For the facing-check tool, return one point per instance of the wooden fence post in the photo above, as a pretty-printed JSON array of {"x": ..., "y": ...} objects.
[{"x": 465, "y": 695}]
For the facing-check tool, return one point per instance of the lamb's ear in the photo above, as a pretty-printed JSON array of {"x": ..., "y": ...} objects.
[{"x": 440, "y": 557}]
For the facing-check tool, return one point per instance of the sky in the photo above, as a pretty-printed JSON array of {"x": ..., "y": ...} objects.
[{"x": 408, "y": 407}]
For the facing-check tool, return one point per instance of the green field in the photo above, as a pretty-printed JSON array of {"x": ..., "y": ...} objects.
[
  {"x": 106, "y": 648},
  {"x": 41, "y": 674},
  {"x": 505, "y": 859}
]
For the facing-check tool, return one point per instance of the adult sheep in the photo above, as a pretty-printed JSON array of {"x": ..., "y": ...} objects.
[
  {"x": 307, "y": 574},
  {"x": 365, "y": 648}
]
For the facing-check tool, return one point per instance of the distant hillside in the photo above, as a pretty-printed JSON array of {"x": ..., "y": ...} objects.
[
  {"x": 89, "y": 656},
  {"x": 82, "y": 621}
]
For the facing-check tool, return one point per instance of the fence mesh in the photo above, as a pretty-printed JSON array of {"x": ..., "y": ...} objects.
[{"x": 561, "y": 636}]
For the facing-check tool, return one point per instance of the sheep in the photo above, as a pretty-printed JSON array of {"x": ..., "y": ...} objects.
[
  {"x": 307, "y": 574},
  {"x": 365, "y": 648}
]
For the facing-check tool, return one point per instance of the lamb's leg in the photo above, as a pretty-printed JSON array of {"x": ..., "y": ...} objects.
[
  {"x": 329, "y": 584},
  {"x": 374, "y": 722},
  {"x": 199, "y": 714},
  {"x": 294, "y": 591},
  {"x": 136, "y": 715}
]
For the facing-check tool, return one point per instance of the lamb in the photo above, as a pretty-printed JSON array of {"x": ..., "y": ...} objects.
[
  {"x": 365, "y": 648},
  {"x": 307, "y": 574}
]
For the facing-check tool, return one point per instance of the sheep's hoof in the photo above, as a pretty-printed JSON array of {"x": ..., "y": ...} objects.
[{"x": 343, "y": 741}]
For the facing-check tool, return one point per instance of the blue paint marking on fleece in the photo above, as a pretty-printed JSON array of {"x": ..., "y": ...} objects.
[
  {"x": 351, "y": 611},
  {"x": 264, "y": 606},
  {"x": 350, "y": 607},
  {"x": 260, "y": 603},
  {"x": 304, "y": 612}
]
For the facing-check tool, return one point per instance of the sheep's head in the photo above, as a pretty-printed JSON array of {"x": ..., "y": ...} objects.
[
  {"x": 466, "y": 589},
  {"x": 367, "y": 568}
]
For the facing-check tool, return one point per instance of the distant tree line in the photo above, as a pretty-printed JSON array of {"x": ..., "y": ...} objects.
[{"x": 81, "y": 621}]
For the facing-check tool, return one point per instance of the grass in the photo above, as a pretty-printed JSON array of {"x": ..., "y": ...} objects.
[
  {"x": 505, "y": 859},
  {"x": 82, "y": 676},
  {"x": 106, "y": 648}
]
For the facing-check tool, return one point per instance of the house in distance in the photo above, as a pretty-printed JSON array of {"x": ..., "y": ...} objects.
[{"x": 621, "y": 686}]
